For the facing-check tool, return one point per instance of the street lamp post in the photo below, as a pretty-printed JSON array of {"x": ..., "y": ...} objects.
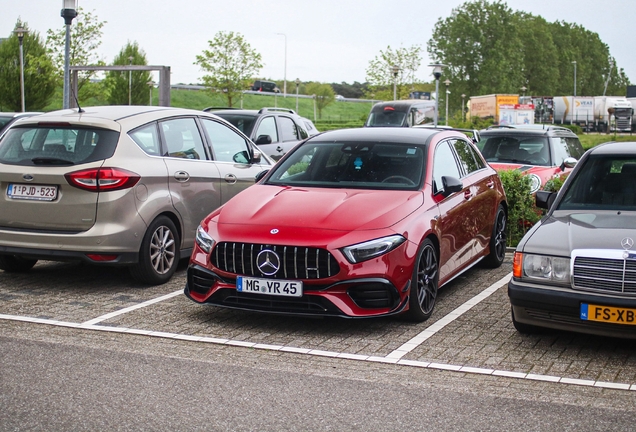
[
  {"x": 297, "y": 84},
  {"x": 20, "y": 32},
  {"x": 447, "y": 82},
  {"x": 69, "y": 12},
  {"x": 437, "y": 73},
  {"x": 396, "y": 70},
  {"x": 463, "y": 108},
  {"x": 523, "y": 90},
  {"x": 574, "y": 63},
  {"x": 151, "y": 84},
  {"x": 285, "y": 75},
  {"x": 130, "y": 59}
]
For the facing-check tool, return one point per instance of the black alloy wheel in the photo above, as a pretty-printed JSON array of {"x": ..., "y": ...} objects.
[
  {"x": 424, "y": 283},
  {"x": 498, "y": 239}
]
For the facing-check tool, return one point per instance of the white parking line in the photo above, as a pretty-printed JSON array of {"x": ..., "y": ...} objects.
[
  {"x": 314, "y": 352},
  {"x": 443, "y": 322},
  {"x": 132, "y": 308}
]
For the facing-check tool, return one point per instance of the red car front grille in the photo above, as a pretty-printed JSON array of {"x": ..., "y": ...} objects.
[{"x": 295, "y": 262}]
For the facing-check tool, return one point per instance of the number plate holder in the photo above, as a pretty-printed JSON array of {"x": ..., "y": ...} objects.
[{"x": 277, "y": 287}]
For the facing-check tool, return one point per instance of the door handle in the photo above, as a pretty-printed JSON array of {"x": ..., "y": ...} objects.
[
  {"x": 490, "y": 184},
  {"x": 468, "y": 194},
  {"x": 230, "y": 178},
  {"x": 181, "y": 176},
  {"x": 279, "y": 149}
]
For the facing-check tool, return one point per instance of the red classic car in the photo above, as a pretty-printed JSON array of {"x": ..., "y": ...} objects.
[{"x": 354, "y": 223}]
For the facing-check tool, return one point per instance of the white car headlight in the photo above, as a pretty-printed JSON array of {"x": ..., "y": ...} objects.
[
  {"x": 204, "y": 240},
  {"x": 371, "y": 249},
  {"x": 546, "y": 268},
  {"x": 535, "y": 183}
]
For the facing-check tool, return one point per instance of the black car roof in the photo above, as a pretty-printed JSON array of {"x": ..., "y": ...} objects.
[
  {"x": 527, "y": 131},
  {"x": 611, "y": 148}
]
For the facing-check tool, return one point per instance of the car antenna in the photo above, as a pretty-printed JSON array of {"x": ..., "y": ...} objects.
[{"x": 79, "y": 108}]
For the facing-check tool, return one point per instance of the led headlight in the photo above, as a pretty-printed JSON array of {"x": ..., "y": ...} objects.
[
  {"x": 204, "y": 240},
  {"x": 547, "y": 268},
  {"x": 371, "y": 249},
  {"x": 535, "y": 182}
]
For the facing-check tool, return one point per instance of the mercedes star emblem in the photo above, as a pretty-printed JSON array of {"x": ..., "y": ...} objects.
[
  {"x": 627, "y": 243},
  {"x": 268, "y": 262}
]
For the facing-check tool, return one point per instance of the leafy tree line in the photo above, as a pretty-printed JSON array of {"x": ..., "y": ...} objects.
[{"x": 489, "y": 48}]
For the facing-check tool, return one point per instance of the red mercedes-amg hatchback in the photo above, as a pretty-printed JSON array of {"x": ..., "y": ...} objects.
[{"x": 354, "y": 223}]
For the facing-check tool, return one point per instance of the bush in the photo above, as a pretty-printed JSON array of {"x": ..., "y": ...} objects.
[{"x": 522, "y": 213}]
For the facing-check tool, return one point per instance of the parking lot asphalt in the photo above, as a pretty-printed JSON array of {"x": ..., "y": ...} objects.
[{"x": 469, "y": 335}]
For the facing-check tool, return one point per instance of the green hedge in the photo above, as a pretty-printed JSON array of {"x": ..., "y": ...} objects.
[{"x": 522, "y": 213}]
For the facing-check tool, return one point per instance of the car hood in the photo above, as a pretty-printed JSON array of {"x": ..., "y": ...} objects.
[
  {"x": 564, "y": 231},
  {"x": 319, "y": 208}
]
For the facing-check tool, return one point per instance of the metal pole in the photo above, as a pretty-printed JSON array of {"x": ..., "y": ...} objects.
[
  {"x": 574, "y": 63},
  {"x": 447, "y": 93},
  {"x": 314, "y": 107},
  {"x": 436, "y": 102},
  {"x": 285, "y": 72},
  {"x": 67, "y": 84},
  {"x": 21, "y": 74},
  {"x": 297, "y": 98},
  {"x": 130, "y": 59}
]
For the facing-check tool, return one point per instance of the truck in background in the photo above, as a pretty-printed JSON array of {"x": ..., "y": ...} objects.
[
  {"x": 575, "y": 110},
  {"x": 488, "y": 106},
  {"x": 613, "y": 114}
]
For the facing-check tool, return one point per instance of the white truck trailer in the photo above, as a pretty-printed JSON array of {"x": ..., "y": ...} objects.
[{"x": 613, "y": 114}]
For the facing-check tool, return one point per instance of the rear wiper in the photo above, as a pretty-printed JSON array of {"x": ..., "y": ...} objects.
[{"x": 51, "y": 161}]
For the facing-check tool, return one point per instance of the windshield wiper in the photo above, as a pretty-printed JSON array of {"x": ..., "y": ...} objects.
[{"x": 51, "y": 161}]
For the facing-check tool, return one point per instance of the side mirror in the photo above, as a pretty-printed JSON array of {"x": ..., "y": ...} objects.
[
  {"x": 545, "y": 199},
  {"x": 451, "y": 185},
  {"x": 256, "y": 159},
  {"x": 568, "y": 162},
  {"x": 263, "y": 139},
  {"x": 260, "y": 175}
]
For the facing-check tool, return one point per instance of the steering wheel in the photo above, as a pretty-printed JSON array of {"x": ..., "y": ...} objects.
[{"x": 400, "y": 179}]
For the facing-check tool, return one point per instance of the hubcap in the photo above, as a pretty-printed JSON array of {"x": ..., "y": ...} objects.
[{"x": 162, "y": 250}]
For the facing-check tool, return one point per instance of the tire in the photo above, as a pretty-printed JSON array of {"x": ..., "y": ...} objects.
[
  {"x": 524, "y": 328},
  {"x": 16, "y": 264},
  {"x": 424, "y": 283},
  {"x": 497, "y": 244},
  {"x": 159, "y": 253}
]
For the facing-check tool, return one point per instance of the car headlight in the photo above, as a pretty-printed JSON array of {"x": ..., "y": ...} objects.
[
  {"x": 204, "y": 240},
  {"x": 535, "y": 183},
  {"x": 549, "y": 269},
  {"x": 371, "y": 249}
]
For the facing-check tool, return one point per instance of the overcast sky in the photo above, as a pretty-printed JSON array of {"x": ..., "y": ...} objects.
[{"x": 327, "y": 41}]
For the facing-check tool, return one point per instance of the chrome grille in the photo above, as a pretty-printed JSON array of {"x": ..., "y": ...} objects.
[
  {"x": 605, "y": 274},
  {"x": 295, "y": 262}
]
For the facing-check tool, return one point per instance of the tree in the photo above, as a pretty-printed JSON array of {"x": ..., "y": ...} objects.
[
  {"x": 323, "y": 93},
  {"x": 540, "y": 56},
  {"x": 119, "y": 86},
  {"x": 230, "y": 62},
  {"x": 39, "y": 72},
  {"x": 381, "y": 75},
  {"x": 481, "y": 47},
  {"x": 86, "y": 33}
]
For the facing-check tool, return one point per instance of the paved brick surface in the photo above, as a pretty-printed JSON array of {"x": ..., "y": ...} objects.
[{"x": 483, "y": 337}]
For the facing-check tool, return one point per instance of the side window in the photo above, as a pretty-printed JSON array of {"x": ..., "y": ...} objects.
[
  {"x": 444, "y": 164},
  {"x": 288, "y": 129},
  {"x": 227, "y": 145},
  {"x": 183, "y": 139},
  {"x": 268, "y": 127},
  {"x": 147, "y": 138},
  {"x": 466, "y": 156},
  {"x": 561, "y": 150}
]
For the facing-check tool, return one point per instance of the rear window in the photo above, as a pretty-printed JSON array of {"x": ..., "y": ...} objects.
[{"x": 40, "y": 145}]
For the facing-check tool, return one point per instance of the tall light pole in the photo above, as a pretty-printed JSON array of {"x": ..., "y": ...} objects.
[
  {"x": 297, "y": 84},
  {"x": 523, "y": 90},
  {"x": 130, "y": 59},
  {"x": 69, "y": 12},
  {"x": 574, "y": 63},
  {"x": 463, "y": 108},
  {"x": 609, "y": 75},
  {"x": 437, "y": 73},
  {"x": 151, "y": 84},
  {"x": 396, "y": 70},
  {"x": 20, "y": 32},
  {"x": 285, "y": 75},
  {"x": 447, "y": 82}
]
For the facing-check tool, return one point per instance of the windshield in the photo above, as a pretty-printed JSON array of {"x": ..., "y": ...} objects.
[
  {"x": 244, "y": 123},
  {"x": 386, "y": 116},
  {"x": 603, "y": 183},
  {"x": 516, "y": 149},
  {"x": 352, "y": 165},
  {"x": 37, "y": 145}
]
